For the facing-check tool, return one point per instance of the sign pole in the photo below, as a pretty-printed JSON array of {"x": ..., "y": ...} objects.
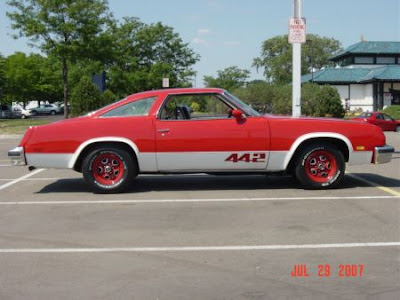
[{"x": 296, "y": 77}]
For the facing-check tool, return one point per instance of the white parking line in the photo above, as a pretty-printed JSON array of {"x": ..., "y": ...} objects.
[
  {"x": 35, "y": 179},
  {"x": 151, "y": 201},
  {"x": 197, "y": 249},
  {"x": 2, "y": 187}
]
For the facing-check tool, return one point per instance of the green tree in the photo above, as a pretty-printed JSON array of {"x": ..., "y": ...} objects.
[
  {"x": 321, "y": 101},
  {"x": 85, "y": 97},
  {"x": 107, "y": 97},
  {"x": 65, "y": 29},
  {"x": 143, "y": 54},
  {"x": 259, "y": 94},
  {"x": 30, "y": 78},
  {"x": 2, "y": 77},
  {"x": 230, "y": 78},
  {"x": 276, "y": 56}
]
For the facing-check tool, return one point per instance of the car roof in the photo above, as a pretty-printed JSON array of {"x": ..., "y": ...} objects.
[{"x": 182, "y": 90}]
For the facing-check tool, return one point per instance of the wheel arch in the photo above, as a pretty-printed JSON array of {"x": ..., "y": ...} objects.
[
  {"x": 340, "y": 141},
  {"x": 83, "y": 149}
]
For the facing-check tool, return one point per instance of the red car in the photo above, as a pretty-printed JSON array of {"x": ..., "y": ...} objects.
[
  {"x": 198, "y": 130},
  {"x": 382, "y": 120}
]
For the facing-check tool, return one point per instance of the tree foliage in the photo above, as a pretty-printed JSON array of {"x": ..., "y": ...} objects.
[
  {"x": 85, "y": 97},
  {"x": 66, "y": 30},
  {"x": 317, "y": 101},
  {"x": 230, "y": 78},
  {"x": 2, "y": 77},
  {"x": 276, "y": 56},
  {"x": 321, "y": 101},
  {"x": 107, "y": 97},
  {"x": 30, "y": 77},
  {"x": 145, "y": 53}
]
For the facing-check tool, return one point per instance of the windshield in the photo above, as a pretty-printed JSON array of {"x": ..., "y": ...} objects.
[
  {"x": 364, "y": 115},
  {"x": 243, "y": 106}
]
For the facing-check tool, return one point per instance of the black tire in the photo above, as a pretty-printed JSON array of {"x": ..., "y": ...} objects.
[
  {"x": 398, "y": 129},
  {"x": 34, "y": 113},
  {"x": 23, "y": 116},
  {"x": 53, "y": 112},
  {"x": 320, "y": 167},
  {"x": 97, "y": 173}
]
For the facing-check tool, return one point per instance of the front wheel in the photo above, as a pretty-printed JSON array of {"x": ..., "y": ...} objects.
[
  {"x": 109, "y": 170},
  {"x": 320, "y": 167}
]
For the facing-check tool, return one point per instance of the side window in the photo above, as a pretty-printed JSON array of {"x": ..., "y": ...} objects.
[
  {"x": 387, "y": 118},
  {"x": 135, "y": 108},
  {"x": 195, "y": 107},
  {"x": 379, "y": 117}
]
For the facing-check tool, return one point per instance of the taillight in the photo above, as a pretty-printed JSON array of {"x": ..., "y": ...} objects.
[{"x": 26, "y": 136}]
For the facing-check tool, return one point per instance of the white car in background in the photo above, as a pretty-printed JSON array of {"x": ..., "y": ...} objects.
[
  {"x": 48, "y": 109},
  {"x": 20, "y": 112}
]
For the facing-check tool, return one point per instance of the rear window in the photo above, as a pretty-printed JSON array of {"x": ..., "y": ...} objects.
[{"x": 132, "y": 109}]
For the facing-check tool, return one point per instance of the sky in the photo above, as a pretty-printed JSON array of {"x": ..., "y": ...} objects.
[{"x": 230, "y": 32}]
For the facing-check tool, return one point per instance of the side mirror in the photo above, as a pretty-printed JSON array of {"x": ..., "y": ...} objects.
[{"x": 238, "y": 115}]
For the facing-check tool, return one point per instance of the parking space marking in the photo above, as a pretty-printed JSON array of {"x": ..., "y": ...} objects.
[
  {"x": 197, "y": 249},
  {"x": 151, "y": 201},
  {"x": 35, "y": 179},
  {"x": 374, "y": 184},
  {"x": 6, "y": 185}
]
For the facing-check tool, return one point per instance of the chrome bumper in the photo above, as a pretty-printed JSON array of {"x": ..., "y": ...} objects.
[
  {"x": 17, "y": 156},
  {"x": 383, "y": 154}
]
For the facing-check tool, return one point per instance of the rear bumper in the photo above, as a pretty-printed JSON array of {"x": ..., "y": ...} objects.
[
  {"x": 383, "y": 154},
  {"x": 17, "y": 156}
]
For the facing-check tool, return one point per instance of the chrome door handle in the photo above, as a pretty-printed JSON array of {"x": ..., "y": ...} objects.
[{"x": 165, "y": 130}]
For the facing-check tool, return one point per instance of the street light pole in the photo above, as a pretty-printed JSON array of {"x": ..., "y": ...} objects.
[
  {"x": 296, "y": 82},
  {"x": 310, "y": 41}
]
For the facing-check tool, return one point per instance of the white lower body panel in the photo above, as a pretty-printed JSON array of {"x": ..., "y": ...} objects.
[
  {"x": 273, "y": 161},
  {"x": 212, "y": 161},
  {"x": 49, "y": 160}
]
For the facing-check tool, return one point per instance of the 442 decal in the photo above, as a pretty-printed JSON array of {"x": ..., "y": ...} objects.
[{"x": 247, "y": 157}]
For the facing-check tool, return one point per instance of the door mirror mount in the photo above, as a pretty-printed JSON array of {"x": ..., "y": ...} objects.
[{"x": 238, "y": 115}]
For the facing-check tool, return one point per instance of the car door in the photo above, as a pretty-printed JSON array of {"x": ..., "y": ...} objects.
[
  {"x": 390, "y": 124},
  {"x": 196, "y": 132},
  {"x": 379, "y": 121}
]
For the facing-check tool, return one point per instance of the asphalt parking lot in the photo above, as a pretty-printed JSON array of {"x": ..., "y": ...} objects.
[{"x": 199, "y": 237}]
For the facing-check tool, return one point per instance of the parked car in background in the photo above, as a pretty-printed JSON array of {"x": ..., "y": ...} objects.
[
  {"x": 5, "y": 112},
  {"x": 20, "y": 112},
  {"x": 385, "y": 122},
  {"x": 62, "y": 108},
  {"x": 46, "y": 109}
]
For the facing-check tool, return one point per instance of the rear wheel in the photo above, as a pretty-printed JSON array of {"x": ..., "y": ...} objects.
[
  {"x": 320, "y": 167},
  {"x": 53, "y": 112},
  {"x": 34, "y": 113},
  {"x": 398, "y": 129},
  {"x": 109, "y": 170}
]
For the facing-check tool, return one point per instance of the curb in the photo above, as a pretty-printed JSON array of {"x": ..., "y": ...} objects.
[{"x": 10, "y": 136}]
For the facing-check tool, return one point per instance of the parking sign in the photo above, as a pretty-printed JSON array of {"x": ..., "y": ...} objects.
[{"x": 297, "y": 30}]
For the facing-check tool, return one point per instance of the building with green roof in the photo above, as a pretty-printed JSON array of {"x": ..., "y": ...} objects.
[{"x": 367, "y": 75}]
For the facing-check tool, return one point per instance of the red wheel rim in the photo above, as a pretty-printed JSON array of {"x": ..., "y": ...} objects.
[
  {"x": 321, "y": 166},
  {"x": 107, "y": 169}
]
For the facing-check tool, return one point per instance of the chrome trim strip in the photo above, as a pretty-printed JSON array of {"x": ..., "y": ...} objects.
[
  {"x": 17, "y": 156},
  {"x": 383, "y": 154}
]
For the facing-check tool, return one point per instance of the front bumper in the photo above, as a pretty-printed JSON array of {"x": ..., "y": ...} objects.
[
  {"x": 17, "y": 156},
  {"x": 383, "y": 154}
]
